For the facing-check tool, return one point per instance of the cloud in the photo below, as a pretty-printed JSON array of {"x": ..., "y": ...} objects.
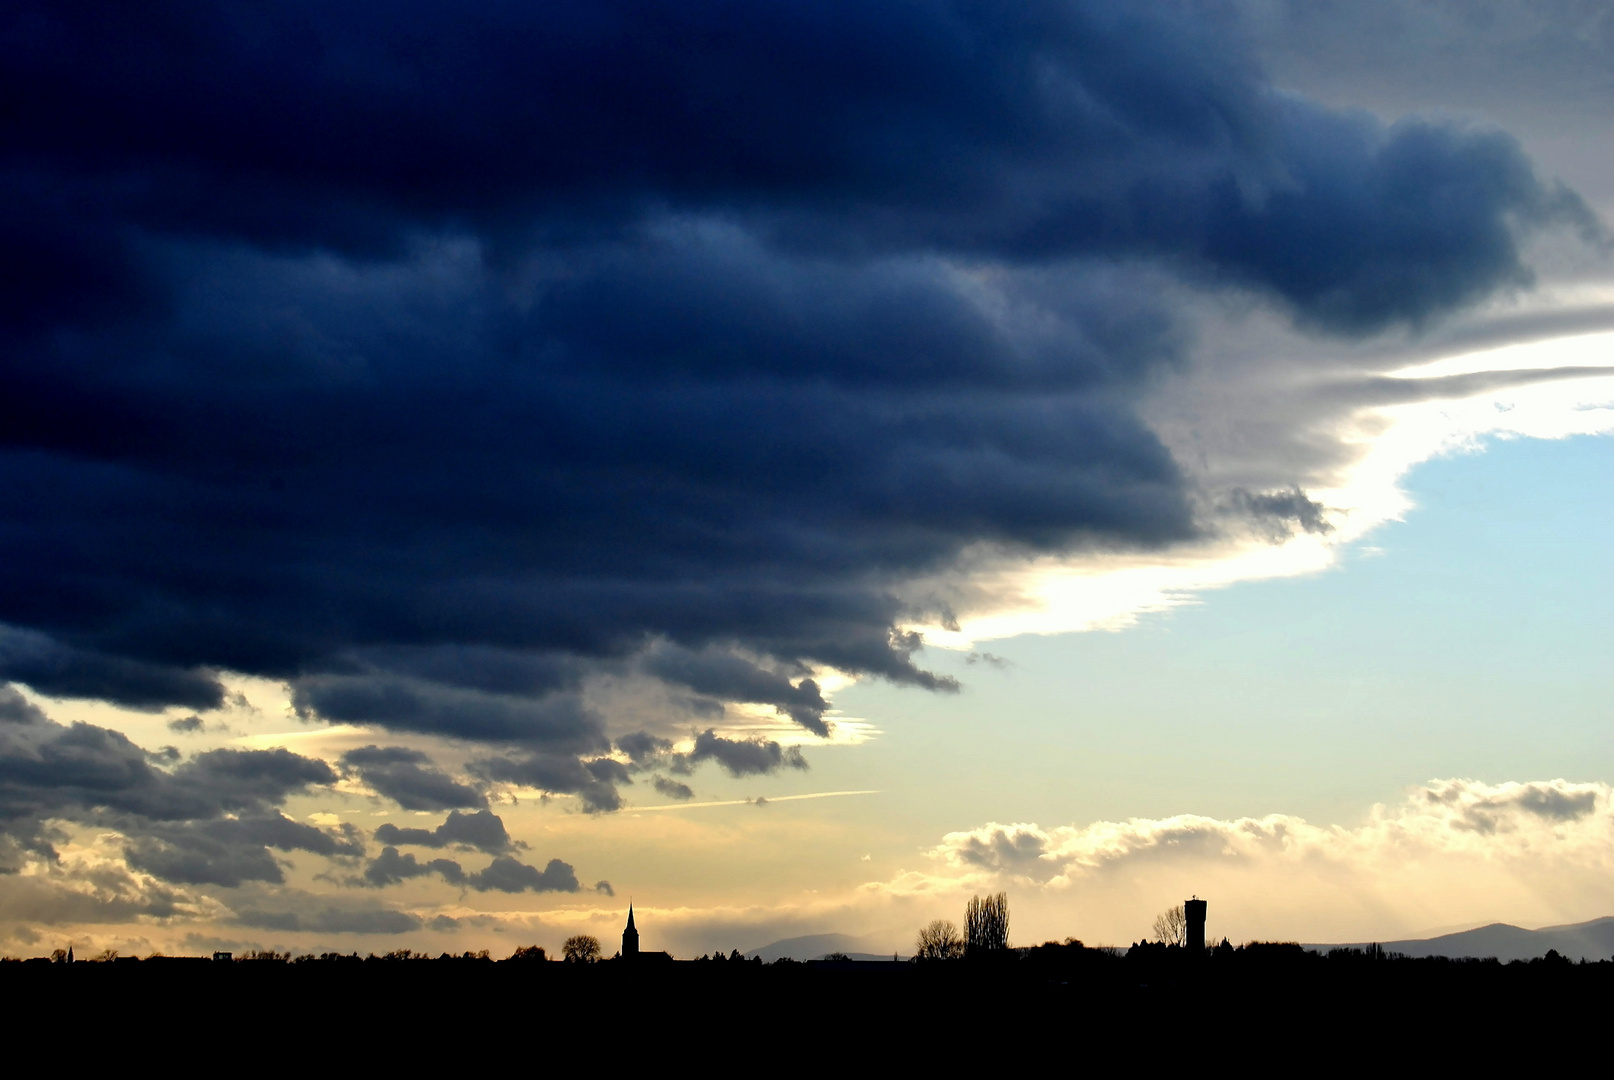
[
  {"x": 1453, "y": 850},
  {"x": 60, "y": 670},
  {"x": 672, "y": 788},
  {"x": 644, "y": 749},
  {"x": 723, "y": 675},
  {"x": 744, "y": 757},
  {"x": 592, "y": 781},
  {"x": 99, "y": 893},
  {"x": 1447, "y": 816},
  {"x": 48, "y": 768},
  {"x": 16, "y": 709},
  {"x": 210, "y": 819},
  {"x": 482, "y": 831},
  {"x": 390, "y": 868},
  {"x": 231, "y": 851},
  {"x": 329, "y": 920},
  {"x": 689, "y": 366},
  {"x": 406, "y": 777},
  {"x": 505, "y": 874},
  {"x": 604, "y": 888}
]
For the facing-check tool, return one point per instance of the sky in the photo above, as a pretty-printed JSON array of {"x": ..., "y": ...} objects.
[{"x": 796, "y": 466}]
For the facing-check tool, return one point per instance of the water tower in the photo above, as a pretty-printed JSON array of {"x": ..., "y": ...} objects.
[{"x": 1195, "y": 911}]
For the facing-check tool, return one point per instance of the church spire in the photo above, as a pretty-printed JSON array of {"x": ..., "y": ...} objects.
[{"x": 630, "y": 936}]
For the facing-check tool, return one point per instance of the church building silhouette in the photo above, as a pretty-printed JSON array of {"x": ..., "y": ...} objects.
[{"x": 630, "y": 945}]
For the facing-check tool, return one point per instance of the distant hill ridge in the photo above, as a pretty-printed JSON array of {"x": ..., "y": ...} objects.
[
  {"x": 817, "y": 946},
  {"x": 1592, "y": 940}
]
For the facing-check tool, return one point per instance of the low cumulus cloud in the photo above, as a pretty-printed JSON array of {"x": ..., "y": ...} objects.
[
  {"x": 683, "y": 370},
  {"x": 390, "y": 868},
  {"x": 1448, "y": 816},
  {"x": 1451, "y": 850},
  {"x": 503, "y": 874},
  {"x": 508, "y": 875},
  {"x": 482, "y": 831}
]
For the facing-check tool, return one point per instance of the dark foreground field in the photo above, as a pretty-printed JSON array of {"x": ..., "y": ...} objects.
[{"x": 1271, "y": 1004}]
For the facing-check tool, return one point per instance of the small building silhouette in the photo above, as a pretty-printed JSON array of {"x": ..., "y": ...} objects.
[{"x": 1194, "y": 910}]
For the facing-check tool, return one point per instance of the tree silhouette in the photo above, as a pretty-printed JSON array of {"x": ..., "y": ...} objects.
[
  {"x": 581, "y": 949},
  {"x": 1171, "y": 926},
  {"x": 939, "y": 941},
  {"x": 529, "y": 952},
  {"x": 986, "y": 925}
]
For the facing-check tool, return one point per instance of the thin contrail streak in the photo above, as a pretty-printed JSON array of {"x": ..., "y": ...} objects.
[{"x": 745, "y": 802}]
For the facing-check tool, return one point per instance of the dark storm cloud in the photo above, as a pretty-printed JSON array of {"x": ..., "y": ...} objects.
[
  {"x": 408, "y": 778},
  {"x": 416, "y": 705},
  {"x": 437, "y": 359},
  {"x": 483, "y": 831},
  {"x": 52, "y": 668}
]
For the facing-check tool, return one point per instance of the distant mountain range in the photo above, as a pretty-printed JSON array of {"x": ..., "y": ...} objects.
[
  {"x": 1592, "y": 940},
  {"x": 817, "y": 946}
]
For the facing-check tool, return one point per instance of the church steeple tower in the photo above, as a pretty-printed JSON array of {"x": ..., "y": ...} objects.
[{"x": 630, "y": 937}]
